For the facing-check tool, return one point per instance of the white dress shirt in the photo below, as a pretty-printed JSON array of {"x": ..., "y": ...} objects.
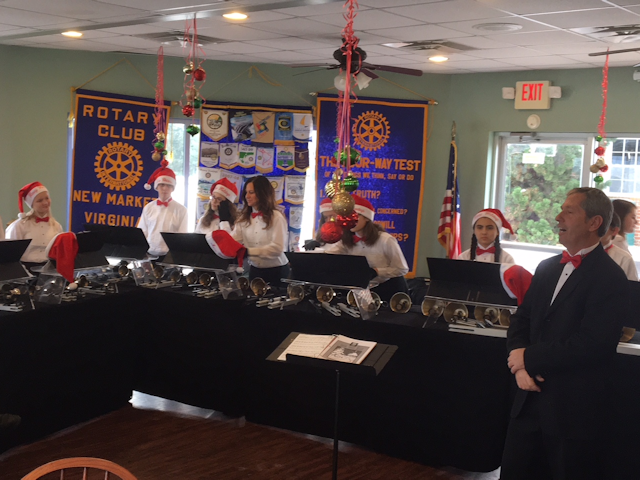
[
  {"x": 624, "y": 259},
  {"x": 385, "y": 256},
  {"x": 569, "y": 269},
  {"x": 265, "y": 246},
  {"x": 40, "y": 234},
  {"x": 620, "y": 241},
  {"x": 213, "y": 226},
  {"x": 158, "y": 218},
  {"x": 487, "y": 257}
]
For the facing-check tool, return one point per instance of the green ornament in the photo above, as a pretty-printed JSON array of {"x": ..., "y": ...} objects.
[
  {"x": 598, "y": 138},
  {"x": 159, "y": 145},
  {"x": 351, "y": 183},
  {"x": 598, "y": 179},
  {"x": 193, "y": 130},
  {"x": 197, "y": 103},
  {"x": 336, "y": 140}
]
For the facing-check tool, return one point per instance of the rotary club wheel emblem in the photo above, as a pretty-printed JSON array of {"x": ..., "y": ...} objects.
[
  {"x": 118, "y": 166},
  {"x": 371, "y": 131}
]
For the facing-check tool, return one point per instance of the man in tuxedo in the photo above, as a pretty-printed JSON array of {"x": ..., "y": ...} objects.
[{"x": 561, "y": 344}]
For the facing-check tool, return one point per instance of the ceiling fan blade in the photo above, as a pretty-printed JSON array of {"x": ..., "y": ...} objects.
[
  {"x": 369, "y": 73},
  {"x": 626, "y": 50},
  {"x": 404, "y": 71},
  {"x": 304, "y": 65},
  {"x": 311, "y": 71}
]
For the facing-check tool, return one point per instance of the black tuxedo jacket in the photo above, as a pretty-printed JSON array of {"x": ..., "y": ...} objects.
[{"x": 572, "y": 342}]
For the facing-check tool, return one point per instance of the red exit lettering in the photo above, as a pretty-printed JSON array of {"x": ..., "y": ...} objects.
[{"x": 532, "y": 92}]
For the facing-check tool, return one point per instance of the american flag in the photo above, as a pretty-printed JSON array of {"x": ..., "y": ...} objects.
[{"x": 449, "y": 227}]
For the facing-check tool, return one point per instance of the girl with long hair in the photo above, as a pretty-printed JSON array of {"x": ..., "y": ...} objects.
[
  {"x": 485, "y": 241},
  {"x": 627, "y": 213},
  {"x": 221, "y": 207}
]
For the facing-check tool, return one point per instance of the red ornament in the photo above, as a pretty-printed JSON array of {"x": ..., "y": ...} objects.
[
  {"x": 604, "y": 168},
  {"x": 188, "y": 111},
  {"x": 199, "y": 74},
  {"x": 599, "y": 151},
  {"x": 330, "y": 232},
  {"x": 347, "y": 221}
]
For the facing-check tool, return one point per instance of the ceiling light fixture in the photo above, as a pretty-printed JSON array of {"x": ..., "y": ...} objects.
[
  {"x": 396, "y": 45},
  {"x": 235, "y": 16},
  {"x": 439, "y": 58},
  {"x": 498, "y": 27},
  {"x": 72, "y": 34}
]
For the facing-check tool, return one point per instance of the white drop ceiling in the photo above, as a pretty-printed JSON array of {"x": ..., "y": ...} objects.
[{"x": 554, "y": 34}]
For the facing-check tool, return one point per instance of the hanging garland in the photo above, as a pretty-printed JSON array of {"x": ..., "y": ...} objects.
[
  {"x": 193, "y": 72},
  {"x": 159, "y": 116},
  {"x": 600, "y": 165}
]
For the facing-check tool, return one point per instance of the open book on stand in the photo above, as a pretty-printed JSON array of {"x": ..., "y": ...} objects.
[{"x": 329, "y": 347}]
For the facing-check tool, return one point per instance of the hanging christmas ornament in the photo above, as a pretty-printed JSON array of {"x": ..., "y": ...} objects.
[
  {"x": 188, "y": 110},
  {"x": 193, "y": 130},
  {"x": 331, "y": 188},
  {"x": 347, "y": 221},
  {"x": 188, "y": 68},
  {"x": 594, "y": 168},
  {"x": 197, "y": 103},
  {"x": 199, "y": 74},
  {"x": 330, "y": 232},
  {"x": 351, "y": 183},
  {"x": 599, "y": 151},
  {"x": 598, "y": 179},
  {"x": 600, "y": 165},
  {"x": 193, "y": 71},
  {"x": 191, "y": 94},
  {"x": 160, "y": 136},
  {"x": 600, "y": 162},
  {"x": 160, "y": 111},
  {"x": 604, "y": 168},
  {"x": 156, "y": 156},
  {"x": 342, "y": 203}
]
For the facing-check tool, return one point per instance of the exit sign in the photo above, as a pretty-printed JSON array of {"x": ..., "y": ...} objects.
[{"x": 532, "y": 96}]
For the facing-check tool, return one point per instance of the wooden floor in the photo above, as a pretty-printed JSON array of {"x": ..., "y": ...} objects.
[{"x": 178, "y": 442}]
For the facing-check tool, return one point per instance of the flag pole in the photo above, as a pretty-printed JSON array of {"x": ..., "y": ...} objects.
[{"x": 452, "y": 238}]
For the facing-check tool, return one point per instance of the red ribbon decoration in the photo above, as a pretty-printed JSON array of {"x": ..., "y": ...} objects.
[{"x": 605, "y": 88}]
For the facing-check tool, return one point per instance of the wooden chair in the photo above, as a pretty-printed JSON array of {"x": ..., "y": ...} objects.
[{"x": 80, "y": 462}]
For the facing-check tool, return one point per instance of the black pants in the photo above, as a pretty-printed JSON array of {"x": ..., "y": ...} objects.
[
  {"x": 530, "y": 454},
  {"x": 270, "y": 275},
  {"x": 391, "y": 286}
]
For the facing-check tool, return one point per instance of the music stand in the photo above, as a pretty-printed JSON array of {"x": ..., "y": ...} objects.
[
  {"x": 371, "y": 366},
  {"x": 90, "y": 246},
  {"x": 10, "y": 253},
  {"x": 633, "y": 321},
  {"x": 341, "y": 271},
  {"x": 121, "y": 242},
  {"x": 466, "y": 281},
  {"x": 192, "y": 250}
]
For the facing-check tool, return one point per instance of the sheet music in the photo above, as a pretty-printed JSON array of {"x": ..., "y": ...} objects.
[
  {"x": 347, "y": 350},
  {"x": 307, "y": 346}
]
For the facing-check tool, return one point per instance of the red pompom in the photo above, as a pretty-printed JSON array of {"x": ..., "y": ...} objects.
[
  {"x": 604, "y": 168},
  {"x": 330, "y": 232},
  {"x": 347, "y": 221},
  {"x": 199, "y": 74},
  {"x": 188, "y": 110},
  {"x": 599, "y": 151}
]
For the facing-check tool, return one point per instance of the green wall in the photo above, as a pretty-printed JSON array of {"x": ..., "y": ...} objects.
[{"x": 35, "y": 98}]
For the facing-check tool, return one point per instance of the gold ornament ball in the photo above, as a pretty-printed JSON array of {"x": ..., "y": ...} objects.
[
  {"x": 161, "y": 136},
  {"x": 156, "y": 157},
  {"x": 342, "y": 203},
  {"x": 594, "y": 168},
  {"x": 191, "y": 94},
  {"x": 331, "y": 188},
  {"x": 600, "y": 162},
  {"x": 188, "y": 68},
  {"x": 337, "y": 175}
]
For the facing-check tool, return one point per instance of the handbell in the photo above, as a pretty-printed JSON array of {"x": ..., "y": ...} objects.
[
  {"x": 295, "y": 291},
  {"x": 158, "y": 272},
  {"x": 432, "y": 307},
  {"x": 376, "y": 302},
  {"x": 505, "y": 317},
  {"x": 351, "y": 299},
  {"x": 259, "y": 287},
  {"x": 456, "y": 312},
  {"x": 627, "y": 334},
  {"x": 400, "y": 302},
  {"x": 325, "y": 294},
  {"x": 191, "y": 278},
  {"x": 123, "y": 270},
  {"x": 175, "y": 276},
  {"x": 205, "y": 279},
  {"x": 486, "y": 314},
  {"x": 243, "y": 284}
]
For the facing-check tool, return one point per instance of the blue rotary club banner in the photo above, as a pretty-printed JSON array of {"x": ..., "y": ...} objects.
[
  {"x": 113, "y": 142},
  {"x": 391, "y": 137}
]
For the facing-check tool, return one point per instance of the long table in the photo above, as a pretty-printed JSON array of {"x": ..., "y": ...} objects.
[{"x": 443, "y": 399}]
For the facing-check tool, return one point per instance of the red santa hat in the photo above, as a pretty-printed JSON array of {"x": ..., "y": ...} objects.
[
  {"x": 325, "y": 205},
  {"x": 364, "y": 207},
  {"x": 223, "y": 244},
  {"x": 28, "y": 193},
  {"x": 515, "y": 280},
  {"x": 63, "y": 248},
  {"x": 495, "y": 216},
  {"x": 161, "y": 175},
  {"x": 226, "y": 188}
]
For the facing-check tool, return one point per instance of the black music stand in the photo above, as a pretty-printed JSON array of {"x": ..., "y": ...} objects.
[
  {"x": 121, "y": 242},
  {"x": 90, "y": 246},
  {"x": 192, "y": 250},
  {"x": 328, "y": 269},
  {"x": 371, "y": 366},
  {"x": 10, "y": 253}
]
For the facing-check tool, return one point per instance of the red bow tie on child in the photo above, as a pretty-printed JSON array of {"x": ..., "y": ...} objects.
[
  {"x": 43, "y": 219},
  {"x": 164, "y": 204},
  {"x": 357, "y": 239},
  {"x": 481, "y": 251},
  {"x": 575, "y": 260},
  {"x": 256, "y": 214}
]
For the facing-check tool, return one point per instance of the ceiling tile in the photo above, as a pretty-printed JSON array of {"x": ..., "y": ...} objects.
[
  {"x": 289, "y": 43},
  {"x": 369, "y": 20},
  {"x": 238, "y": 33},
  {"x": 395, "y": 3},
  {"x": 523, "y": 7},
  {"x": 570, "y": 48},
  {"x": 477, "y": 63},
  {"x": 81, "y": 9},
  {"x": 241, "y": 47},
  {"x": 467, "y": 26},
  {"x": 399, "y": 60},
  {"x": 159, "y": 5},
  {"x": 538, "y": 61},
  {"x": 588, "y": 18},
  {"x": 482, "y": 42},
  {"x": 539, "y": 38},
  {"x": 287, "y": 56},
  {"x": 322, "y": 9},
  {"x": 417, "y": 33},
  {"x": 505, "y": 52},
  {"x": 454, "y": 10},
  {"x": 298, "y": 27},
  {"x": 13, "y": 30},
  {"x": 23, "y": 18}
]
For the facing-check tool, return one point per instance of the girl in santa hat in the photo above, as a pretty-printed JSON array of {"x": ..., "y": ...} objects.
[
  {"x": 382, "y": 251},
  {"x": 263, "y": 230},
  {"x": 326, "y": 212},
  {"x": 485, "y": 241},
  {"x": 221, "y": 207},
  {"x": 38, "y": 224}
]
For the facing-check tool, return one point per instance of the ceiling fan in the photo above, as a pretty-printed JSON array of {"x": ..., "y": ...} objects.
[
  {"x": 358, "y": 65},
  {"x": 613, "y": 34}
]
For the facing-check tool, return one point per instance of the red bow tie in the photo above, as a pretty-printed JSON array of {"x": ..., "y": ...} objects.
[
  {"x": 256, "y": 214},
  {"x": 43, "y": 219},
  {"x": 608, "y": 248},
  {"x": 357, "y": 239},
  {"x": 481, "y": 251},
  {"x": 575, "y": 260},
  {"x": 164, "y": 204}
]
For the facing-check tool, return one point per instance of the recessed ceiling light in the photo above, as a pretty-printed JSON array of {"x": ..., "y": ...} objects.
[
  {"x": 498, "y": 27},
  {"x": 235, "y": 16},
  {"x": 72, "y": 34},
  {"x": 396, "y": 45},
  {"x": 439, "y": 58}
]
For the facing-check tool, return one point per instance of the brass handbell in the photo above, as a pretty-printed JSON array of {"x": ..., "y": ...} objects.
[
  {"x": 259, "y": 287},
  {"x": 505, "y": 317},
  {"x": 205, "y": 279},
  {"x": 175, "y": 275},
  {"x": 191, "y": 278},
  {"x": 296, "y": 292},
  {"x": 351, "y": 299},
  {"x": 400, "y": 302},
  {"x": 158, "y": 272},
  {"x": 243, "y": 284},
  {"x": 123, "y": 270},
  {"x": 376, "y": 302},
  {"x": 627, "y": 334},
  {"x": 432, "y": 307},
  {"x": 325, "y": 294},
  {"x": 486, "y": 314},
  {"x": 456, "y": 312}
]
